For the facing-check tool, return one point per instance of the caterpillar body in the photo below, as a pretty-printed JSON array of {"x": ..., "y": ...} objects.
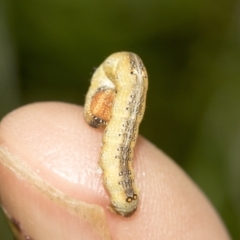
[{"x": 116, "y": 100}]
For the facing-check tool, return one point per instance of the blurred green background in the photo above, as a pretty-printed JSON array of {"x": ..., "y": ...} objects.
[{"x": 191, "y": 49}]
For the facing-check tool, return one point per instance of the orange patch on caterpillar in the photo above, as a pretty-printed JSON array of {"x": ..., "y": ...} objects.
[{"x": 101, "y": 104}]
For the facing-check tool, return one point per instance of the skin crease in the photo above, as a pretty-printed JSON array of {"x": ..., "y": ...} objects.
[{"x": 54, "y": 140}]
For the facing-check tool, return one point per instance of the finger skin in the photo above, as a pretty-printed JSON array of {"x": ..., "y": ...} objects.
[{"x": 56, "y": 144}]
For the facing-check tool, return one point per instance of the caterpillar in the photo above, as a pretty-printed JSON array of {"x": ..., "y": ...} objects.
[{"x": 116, "y": 100}]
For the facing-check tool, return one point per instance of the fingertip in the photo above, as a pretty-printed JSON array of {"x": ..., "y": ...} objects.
[{"x": 52, "y": 141}]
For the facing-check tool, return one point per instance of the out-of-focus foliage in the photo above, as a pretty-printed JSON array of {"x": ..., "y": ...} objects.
[
  {"x": 192, "y": 53},
  {"x": 5, "y": 233},
  {"x": 9, "y": 89}
]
